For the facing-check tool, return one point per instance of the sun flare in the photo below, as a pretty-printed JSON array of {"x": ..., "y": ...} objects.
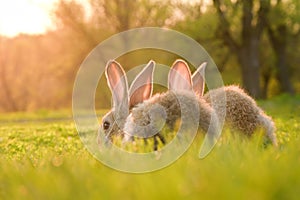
[{"x": 25, "y": 16}]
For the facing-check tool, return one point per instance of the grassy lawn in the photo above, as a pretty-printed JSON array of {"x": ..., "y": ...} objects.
[{"x": 46, "y": 160}]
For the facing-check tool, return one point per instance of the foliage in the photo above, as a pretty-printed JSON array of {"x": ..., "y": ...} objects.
[
  {"x": 31, "y": 70},
  {"x": 48, "y": 161},
  {"x": 38, "y": 71}
]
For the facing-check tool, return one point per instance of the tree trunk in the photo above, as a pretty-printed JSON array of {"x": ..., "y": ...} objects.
[
  {"x": 247, "y": 50},
  {"x": 248, "y": 58},
  {"x": 266, "y": 77},
  {"x": 266, "y": 81},
  {"x": 279, "y": 43},
  {"x": 283, "y": 75}
]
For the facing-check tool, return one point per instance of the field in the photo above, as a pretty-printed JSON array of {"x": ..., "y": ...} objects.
[{"x": 45, "y": 159}]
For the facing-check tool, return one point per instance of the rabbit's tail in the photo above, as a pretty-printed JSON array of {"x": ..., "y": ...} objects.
[{"x": 269, "y": 127}]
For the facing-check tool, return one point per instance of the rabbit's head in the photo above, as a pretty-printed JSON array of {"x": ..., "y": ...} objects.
[{"x": 124, "y": 99}]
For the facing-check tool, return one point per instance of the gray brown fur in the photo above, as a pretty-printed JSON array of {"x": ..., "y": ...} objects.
[
  {"x": 242, "y": 112},
  {"x": 124, "y": 99},
  {"x": 143, "y": 116}
]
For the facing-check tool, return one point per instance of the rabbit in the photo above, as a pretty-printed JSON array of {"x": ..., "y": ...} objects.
[
  {"x": 242, "y": 113},
  {"x": 179, "y": 102},
  {"x": 124, "y": 99}
]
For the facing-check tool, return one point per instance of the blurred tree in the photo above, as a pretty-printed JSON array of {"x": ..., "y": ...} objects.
[
  {"x": 27, "y": 77},
  {"x": 98, "y": 19},
  {"x": 267, "y": 71},
  {"x": 6, "y": 99},
  {"x": 283, "y": 29},
  {"x": 91, "y": 23},
  {"x": 71, "y": 18},
  {"x": 198, "y": 20},
  {"x": 85, "y": 25},
  {"x": 39, "y": 71},
  {"x": 246, "y": 41},
  {"x": 121, "y": 15}
]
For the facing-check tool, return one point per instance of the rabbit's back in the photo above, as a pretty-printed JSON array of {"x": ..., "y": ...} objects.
[
  {"x": 241, "y": 112},
  {"x": 172, "y": 106}
]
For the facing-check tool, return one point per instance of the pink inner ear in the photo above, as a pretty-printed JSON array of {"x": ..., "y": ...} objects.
[
  {"x": 180, "y": 76},
  {"x": 141, "y": 87},
  {"x": 185, "y": 74},
  {"x": 199, "y": 80},
  {"x": 147, "y": 90},
  {"x": 140, "y": 94},
  {"x": 117, "y": 83},
  {"x": 115, "y": 74}
]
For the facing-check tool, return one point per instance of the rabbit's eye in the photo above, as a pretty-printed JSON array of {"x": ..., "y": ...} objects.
[{"x": 106, "y": 125}]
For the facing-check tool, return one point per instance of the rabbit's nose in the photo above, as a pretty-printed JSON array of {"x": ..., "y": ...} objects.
[{"x": 103, "y": 140}]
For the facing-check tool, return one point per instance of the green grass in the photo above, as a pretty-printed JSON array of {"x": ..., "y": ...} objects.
[{"x": 43, "y": 160}]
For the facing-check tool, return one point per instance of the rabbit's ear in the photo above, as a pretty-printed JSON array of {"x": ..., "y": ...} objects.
[
  {"x": 198, "y": 79},
  {"x": 117, "y": 83},
  {"x": 180, "y": 76},
  {"x": 142, "y": 86}
]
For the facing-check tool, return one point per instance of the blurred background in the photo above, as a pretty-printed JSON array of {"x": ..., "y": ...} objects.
[{"x": 255, "y": 43}]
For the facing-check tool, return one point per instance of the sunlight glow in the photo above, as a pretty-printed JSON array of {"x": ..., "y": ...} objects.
[
  {"x": 34, "y": 16},
  {"x": 25, "y": 16}
]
